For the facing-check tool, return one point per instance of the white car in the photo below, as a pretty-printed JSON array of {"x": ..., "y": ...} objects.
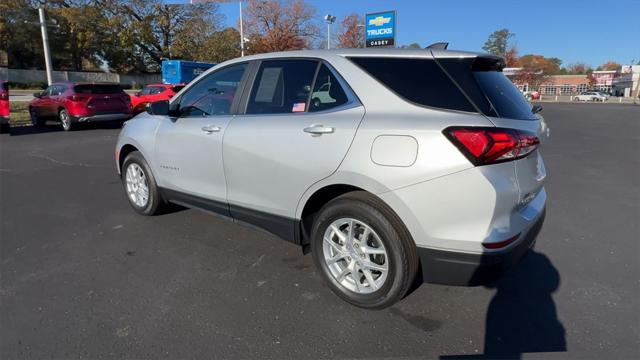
[
  {"x": 590, "y": 96},
  {"x": 389, "y": 166}
]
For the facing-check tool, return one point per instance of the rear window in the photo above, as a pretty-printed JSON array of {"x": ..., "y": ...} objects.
[
  {"x": 420, "y": 81},
  {"x": 97, "y": 89},
  {"x": 485, "y": 84}
]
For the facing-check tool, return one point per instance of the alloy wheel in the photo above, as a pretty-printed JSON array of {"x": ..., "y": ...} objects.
[
  {"x": 137, "y": 186},
  {"x": 355, "y": 255}
]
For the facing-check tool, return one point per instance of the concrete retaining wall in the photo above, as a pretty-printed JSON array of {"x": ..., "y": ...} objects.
[{"x": 40, "y": 76}]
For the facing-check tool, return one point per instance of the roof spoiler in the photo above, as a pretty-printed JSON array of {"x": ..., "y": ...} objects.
[{"x": 439, "y": 46}]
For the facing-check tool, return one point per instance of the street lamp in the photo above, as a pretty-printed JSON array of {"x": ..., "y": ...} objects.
[{"x": 330, "y": 19}]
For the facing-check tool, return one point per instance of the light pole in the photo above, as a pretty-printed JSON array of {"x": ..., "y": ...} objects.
[
  {"x": 45, "y": 40},
  {"x": 330, "y": 19}
]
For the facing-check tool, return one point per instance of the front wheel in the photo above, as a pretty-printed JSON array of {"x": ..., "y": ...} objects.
[
  {"x": 363, "y": 251},
  {"x": 140, "y": 185},
  {"x": 576, "y": 99}
]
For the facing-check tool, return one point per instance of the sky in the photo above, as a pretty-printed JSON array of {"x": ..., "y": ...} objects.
[{"x": 589, "y": 31}]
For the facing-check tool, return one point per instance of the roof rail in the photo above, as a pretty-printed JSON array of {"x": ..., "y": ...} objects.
[{"x": 438, "y": 45}]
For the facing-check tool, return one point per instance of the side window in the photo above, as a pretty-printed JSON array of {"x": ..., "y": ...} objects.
[
  {"x": 282, "y": 86},
  {"x": 146, "y": 90},
  {"x": 57, "y": 90},
  {"x": 156, "y": 90},
  {"x": 214, "y": 94},
  {"x": 327, "y": 92},
  {"x": 417, "y": 80},
  {"x": 47, "y": 91}
]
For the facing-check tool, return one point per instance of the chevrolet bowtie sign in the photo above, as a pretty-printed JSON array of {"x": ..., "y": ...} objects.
[{"x": 380, "y": 29}]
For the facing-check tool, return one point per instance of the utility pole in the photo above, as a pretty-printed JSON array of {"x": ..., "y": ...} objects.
[
  {"x": 241, "y": 32},
  {"x": 45, "y": 44}
]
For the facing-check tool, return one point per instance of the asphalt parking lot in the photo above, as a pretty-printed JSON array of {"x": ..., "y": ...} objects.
[{"x": 83, "y": 276}]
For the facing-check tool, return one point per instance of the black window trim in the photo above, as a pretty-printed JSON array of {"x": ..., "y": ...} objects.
[
  {"x": 433, "y": 58},
  {"x": 352, "y": 99}
]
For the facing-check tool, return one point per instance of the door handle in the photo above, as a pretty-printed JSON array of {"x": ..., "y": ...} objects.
[
  {"x": 318, "y": 130},
  {"x": 210, "y": 129}
]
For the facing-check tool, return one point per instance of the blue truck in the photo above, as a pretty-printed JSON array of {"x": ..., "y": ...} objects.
[{"x": 182, "y": 71}]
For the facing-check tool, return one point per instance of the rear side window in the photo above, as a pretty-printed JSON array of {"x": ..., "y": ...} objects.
[
  {"x": 177, "y": 88},
  {"x": 282, "y": 86},
  {"x": 327, "y": 92},
  {"x": 420, "y": 81},
  {"x": 97, "y": 89}
]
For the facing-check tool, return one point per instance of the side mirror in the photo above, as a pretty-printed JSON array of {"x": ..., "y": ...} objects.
[
  {"x": 158, "y": 108},
  {"x": 536, "y": 108},
  {"x": 37, "y": 95}
]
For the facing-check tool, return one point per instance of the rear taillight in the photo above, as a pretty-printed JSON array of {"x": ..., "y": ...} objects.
[
  {"x": 77, "y": 98},
  {"x": 4, "y": 96},
  {"x": 484, "y": 146}
]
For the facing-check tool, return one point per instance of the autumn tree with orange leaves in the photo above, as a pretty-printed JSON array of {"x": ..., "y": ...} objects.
[
  {"x": 279, "y": 25},
  {"x": 352, "y": 35},
  {"x": 609, "y": 65}
]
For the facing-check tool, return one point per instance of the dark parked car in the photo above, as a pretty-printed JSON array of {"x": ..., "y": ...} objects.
[{"x": 72, "y": 103}]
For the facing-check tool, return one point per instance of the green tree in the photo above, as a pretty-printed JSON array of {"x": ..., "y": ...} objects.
[{"x": 498, "y": 42}]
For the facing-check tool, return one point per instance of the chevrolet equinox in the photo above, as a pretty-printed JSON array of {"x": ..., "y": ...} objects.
[{"x": 390, "y": 166}]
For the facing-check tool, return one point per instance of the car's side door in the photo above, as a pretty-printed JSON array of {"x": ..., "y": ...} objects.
[
  {"x": 41, "y": 104},
  {"x": 189, "y": 146},
  {"x": 284, "y": 142},
  {"x": 55, "y": 98}
]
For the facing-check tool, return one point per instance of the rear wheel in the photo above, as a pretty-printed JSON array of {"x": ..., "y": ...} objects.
[
  {"x": 140, "y": 185},
  {"x": 576, "y": 98},
  {"x": 65, "y": 120},
  {"x": 363, "y": 251},
  {"x": 35, "y": 119}
]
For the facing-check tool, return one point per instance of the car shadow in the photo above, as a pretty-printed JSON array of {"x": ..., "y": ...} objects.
[{"x": 522, "y": 316}]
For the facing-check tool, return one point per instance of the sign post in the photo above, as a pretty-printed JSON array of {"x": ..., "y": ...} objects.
[{"x": 380, "y": 29}]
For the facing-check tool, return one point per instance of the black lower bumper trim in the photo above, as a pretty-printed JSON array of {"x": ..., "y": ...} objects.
[{"x": 454, "y": 268}]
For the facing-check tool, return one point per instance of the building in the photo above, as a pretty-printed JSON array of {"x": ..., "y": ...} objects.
[
  {"x": 622, "y": 82},
  {"x": 565, "y": 85}
]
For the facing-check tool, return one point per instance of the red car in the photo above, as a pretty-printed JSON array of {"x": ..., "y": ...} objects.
[
  {"x": 72, "y": 103},
  {"x": 151, "y": 93},
  {"x": 4, "y": 106}
]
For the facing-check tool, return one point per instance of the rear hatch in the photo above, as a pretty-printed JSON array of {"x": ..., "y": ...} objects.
[
  {"x": 494, "y": 95},
  {"x": 104, "y": 98}
]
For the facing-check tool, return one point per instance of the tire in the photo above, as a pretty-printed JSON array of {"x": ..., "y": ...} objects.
[
  {"x": 65, "y": 120},
  {"x": 36, "y": 121},
  {"x": 386, "y": 234},
  {"x": 576, "y": 98},
  {"x": 154, "y": 204}
]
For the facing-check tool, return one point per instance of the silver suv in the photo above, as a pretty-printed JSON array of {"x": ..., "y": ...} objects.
[{"x": 390, "y": 166}]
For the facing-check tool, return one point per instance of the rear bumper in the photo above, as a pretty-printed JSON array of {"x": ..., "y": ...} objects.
[
  {"x": 101, "y": 117},
  {"x": 456, "y": 268}
]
